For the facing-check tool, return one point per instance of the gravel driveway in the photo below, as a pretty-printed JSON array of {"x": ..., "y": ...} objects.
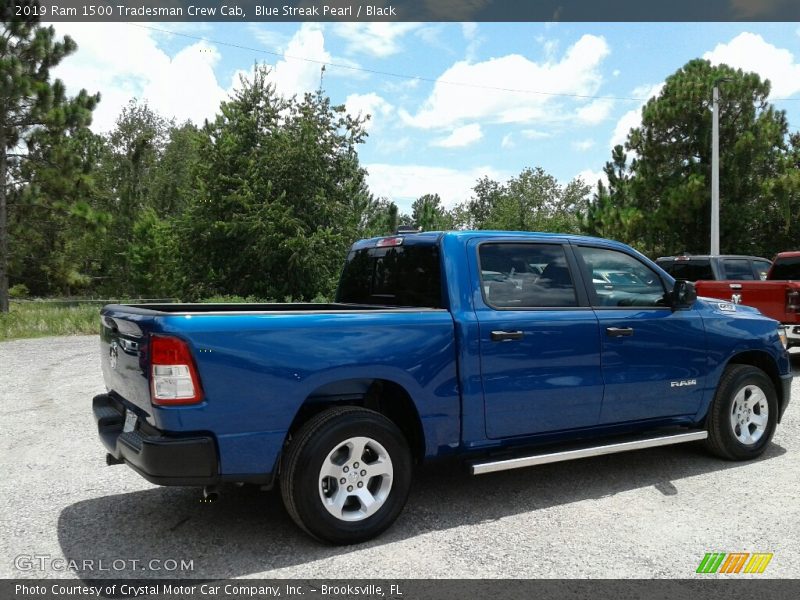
[{"x": 652, "y": 513}]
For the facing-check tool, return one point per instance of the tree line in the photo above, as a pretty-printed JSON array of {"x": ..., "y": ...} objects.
[{"x": 264, "y": 199}]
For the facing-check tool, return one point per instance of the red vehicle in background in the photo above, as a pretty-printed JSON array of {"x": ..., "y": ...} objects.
[{"x": 777, "y": 297}]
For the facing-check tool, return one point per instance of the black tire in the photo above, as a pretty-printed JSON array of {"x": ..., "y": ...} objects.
[
  {"x": 309, "y": 449},
  {"x": 722, "y": 433}
]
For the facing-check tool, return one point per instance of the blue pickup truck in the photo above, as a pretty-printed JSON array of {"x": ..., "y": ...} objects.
[{"x": 505, "y": 349}]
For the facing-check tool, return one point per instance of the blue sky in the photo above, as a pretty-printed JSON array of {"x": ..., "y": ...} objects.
[{"x": 474, "y": 110}]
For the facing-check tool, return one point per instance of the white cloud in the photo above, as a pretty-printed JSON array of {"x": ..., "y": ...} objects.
[
  {"x": 591, "y": 178},
  {"x": 750, "y": 52},
  {"x": 550, "y": 47},
  {"x": 595, "y": 112},
  {"x": 295, "y": 76},
  {"x": 188, "y": 88},
  {"x": 633, "y": 118},
  {"x": 535, "y": 134},
  {"x": 460, "y": 137},
  {"x": 391, "y": 145},
  {"x": 583, "y": 145},
  {"x": 470, "y": 30},
  {"x": 405, "y": 183},
  {"x": 368, "y": 104},
  {"x": 578, "y": 72},
  {"x": 292, "y": 76},
  {"x": 508, "y": 141},
  {"x": 273, "y": 40},
  {"x": 377, "y": 39},
  {"x": 474, "y": 41},
  {"x": 122, "y": 61}
]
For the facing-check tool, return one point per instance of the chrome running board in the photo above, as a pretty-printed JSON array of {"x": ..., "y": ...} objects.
[{"x": 490, "y": 466}]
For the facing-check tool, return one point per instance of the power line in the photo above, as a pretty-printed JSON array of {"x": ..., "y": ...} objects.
[
  {"x": 325, "y": 64},
  {"x": 386, "y": 73}
]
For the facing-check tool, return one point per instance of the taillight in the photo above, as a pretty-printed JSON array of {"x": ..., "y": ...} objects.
[
  {"x": 174, "y": 377},
  {"x": 792, "y": 301}
]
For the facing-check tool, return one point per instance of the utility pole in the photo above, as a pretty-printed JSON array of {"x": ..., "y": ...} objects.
[
  {"x": 715, "y": 166},
  {"x": 715, "y": 170}
]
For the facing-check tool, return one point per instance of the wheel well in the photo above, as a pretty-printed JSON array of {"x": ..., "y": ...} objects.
[
  {"x": 381, "y": 395},
  {"x": 763, "y": 361}
]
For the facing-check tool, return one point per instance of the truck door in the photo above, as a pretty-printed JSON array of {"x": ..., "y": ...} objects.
[
  {"x": 654, "y": 359},
  {"x": 539, "y": 339}
]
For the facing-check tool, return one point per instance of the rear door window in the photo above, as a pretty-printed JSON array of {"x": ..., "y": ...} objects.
[
  {"x": 526, "y": 276},
  {"x": 738, "y": 268},
  {"x": 690, "y": 270}
]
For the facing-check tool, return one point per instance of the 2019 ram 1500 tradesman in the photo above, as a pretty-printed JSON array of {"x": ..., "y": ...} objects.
[{"x": 501, "y": 348}]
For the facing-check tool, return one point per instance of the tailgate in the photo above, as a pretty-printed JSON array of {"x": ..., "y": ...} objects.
[{"x": 123, "y": 356}]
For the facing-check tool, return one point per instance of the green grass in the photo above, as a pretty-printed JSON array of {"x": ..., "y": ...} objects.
[
  {"x": 31, "y": 319},
  {"x": 40, "y": 319}
]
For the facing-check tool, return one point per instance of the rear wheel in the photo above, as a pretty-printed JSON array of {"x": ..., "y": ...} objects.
[
  {"x": 742, "y": 417},
  {"x": 346, "y": 474}
]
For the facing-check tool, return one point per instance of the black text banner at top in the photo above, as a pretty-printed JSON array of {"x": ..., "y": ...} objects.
[{"x": 404, "y": 10}]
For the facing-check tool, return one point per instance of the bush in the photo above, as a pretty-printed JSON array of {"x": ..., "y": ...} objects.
[{"x": 19, "y": 290}]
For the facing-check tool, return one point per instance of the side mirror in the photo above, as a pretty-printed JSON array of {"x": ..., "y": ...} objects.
[{"x": 683, "y": 294}]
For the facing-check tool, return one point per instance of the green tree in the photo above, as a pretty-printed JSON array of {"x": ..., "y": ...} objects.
[
  {"x": 661, "y": 201},
  {"x": 382, "y": 219},
  {"x": 475, "y": 213},
  {"x": 429, "y": 214},
  {"x": 532, "y": 201},
  {"x": 131, "y": 169},
  {"x": 55, "y": 218},
  {"x": 32, "y": 109},
  {"x": 153, "y": 255},
  {"x": 279, "y": 196},
  {"x": 173, "y": 175},
  {"x": 612, "y": 213}
]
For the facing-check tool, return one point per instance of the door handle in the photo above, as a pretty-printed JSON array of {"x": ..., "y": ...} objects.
[
  {"x": 619, "y": 331},
  {"x": 506, "y": 336}
]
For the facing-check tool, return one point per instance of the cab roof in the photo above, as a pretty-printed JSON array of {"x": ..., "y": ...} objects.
[{"x": 432, "y": 237}]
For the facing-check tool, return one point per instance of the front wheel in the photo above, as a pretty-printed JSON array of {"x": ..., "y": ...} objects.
[
  {"x": 742, "y": 418},
  {"x": 346, "y": 474}
]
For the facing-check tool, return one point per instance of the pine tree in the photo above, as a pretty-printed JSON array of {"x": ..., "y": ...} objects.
[{"x": 32, "y": 109}]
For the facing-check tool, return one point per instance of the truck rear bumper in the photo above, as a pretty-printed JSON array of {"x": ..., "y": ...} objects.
[{"x": 157, "y": 456}]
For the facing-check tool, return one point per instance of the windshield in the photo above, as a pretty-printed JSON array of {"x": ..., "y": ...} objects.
[
  {"x": 786, "y": 268},
  {"x": 394, "y": 276}
]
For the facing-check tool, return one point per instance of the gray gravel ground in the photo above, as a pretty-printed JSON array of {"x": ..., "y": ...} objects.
[{"x": 652, "y": 513}]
